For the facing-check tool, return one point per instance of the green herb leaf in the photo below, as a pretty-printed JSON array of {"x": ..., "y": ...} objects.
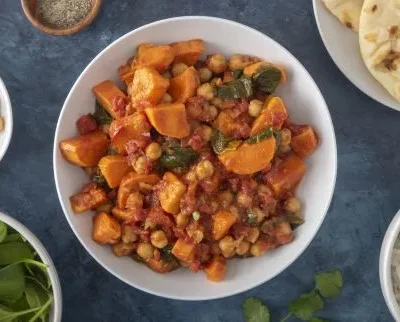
[
  {"x": 8, "y": 315},
  {"x": 13, "y": 238},
  {"x": 196, "y": 215},
  {"x": 255, "y": 311},
  {"x": 166, "y": 253},
  {"x": 222, "y": 143},
  {"x": 12, "y": 283},
  {"x": 329, "y": 284},
  {"x": 178, "y": 158},
  {"x": 238, "y": 88},
  {"x": 101, "y": 115},
  {"x": 267, "y": 79},
  {"x": 305, "y": 306},
  {"x": 294, "y": 219},
  {"x": 252, "y": 218},
  {"x": 237, "y": 74},
  {"x": 42, "y": 310},
  {"x": 13, "y": 252},
  {"x": 3, "y": 231},
  {"x": 100, "y": 180},
  {"x": 260, "y": 136},
  {"x": 36, "y": 296}
]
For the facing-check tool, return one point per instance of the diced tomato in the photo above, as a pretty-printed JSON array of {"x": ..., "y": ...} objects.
[{"x": 86, "y": 124}]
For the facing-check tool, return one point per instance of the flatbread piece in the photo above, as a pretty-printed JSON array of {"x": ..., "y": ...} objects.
[{"x": 347, "y": 11}]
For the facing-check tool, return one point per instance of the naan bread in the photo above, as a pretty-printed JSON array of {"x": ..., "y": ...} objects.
[
  {"x": 380, "y": 42},
  {"x": 347, "y": 11}
]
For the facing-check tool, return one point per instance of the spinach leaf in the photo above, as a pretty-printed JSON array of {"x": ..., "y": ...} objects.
[
  {"x": 42, "y": 310},
  {"x": 267, "y": 79},
  {"x": 252, "y": 218},
  {"x": 101, "y": 115},
  {"x": 166, "y": 253},
  {"x": 222, "y": 143},
  {"x": 255, "y": 311},
  {"x": 178, "y": 158},
  {"x": 36, "y": 296},
  {"x": 3, "y": 231},
  {"x": 13, "y": 252},
  {"x": 12, "y": 282},
  {"x": 237, "y": 74},
  {"x": 238, "y": 88},
  {"x": 8, "y": 315},
  {"x": 260, "y": 136},
  {"x": 13, "y": 238}
]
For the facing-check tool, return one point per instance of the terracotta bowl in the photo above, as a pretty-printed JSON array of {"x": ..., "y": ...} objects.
[{"x": 29, "y": 7}]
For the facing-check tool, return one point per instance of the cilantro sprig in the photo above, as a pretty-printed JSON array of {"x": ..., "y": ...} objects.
[{"x": 327, "y": 285}]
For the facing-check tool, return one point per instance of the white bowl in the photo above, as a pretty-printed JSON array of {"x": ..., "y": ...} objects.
[
  {"x": 305, "y": 104},
  {"x": 56, "y": 309},
  {"x": 6, "y": 113},
  {"x": 385, "y": 271},
  {"x": 343, "y": 46}
]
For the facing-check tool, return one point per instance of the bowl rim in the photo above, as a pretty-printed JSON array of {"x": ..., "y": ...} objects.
[
  {"x": 5, "y": 102},
  {"x": 385, "y": 261},
  {"x": 44, "y": 256},
  {"x": 223, "y": 294},
  {"x": 351, "y": 79}
]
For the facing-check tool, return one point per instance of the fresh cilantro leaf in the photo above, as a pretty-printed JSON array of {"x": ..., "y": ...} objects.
[
  {"x": 314, "y": 319},
  {"x": 329, "y": 284},
  {"x": 255, "y": 311},
  {"x": 305, "y": 306}
]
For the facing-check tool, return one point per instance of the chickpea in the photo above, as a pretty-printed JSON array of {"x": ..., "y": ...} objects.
[
  {"x": 225, "y": 198},
  {"x": 159, "y": 239},
  {"x": 217, "y": 63},
  {"x": 284, "y": 148},
  {"x": 244, "y": 200},
  {"x": 153, "y": 151},
  {"x": 122, "y": 249},
  {"x": 191, "y": 176},
  {"x": 216, "y": 81},
  {"x": 197, "y": 235},
  {"x": 206, "y": 91},
  {"x": 128, "y": 235},
  {"x": 292, "y": 205},
  {"x": 145, "y": 250},
  {"x": 134, "y": 201},
  {"x": 210, "y": 112},
  {"x": 253, "y": 235},
  {"x": 166, "y": 98},
  {"x": 149, "y": 224},
  {"x": 204, "y": 169},
  {"x": 255, "y": 108},
  {"x": 260, "y": 215},
  {"x": 227, "y": 246},
  {"x": 243, "y": 248},
  {"x": 239, "y": 62},
  {"x": 178, "y": 69},
  {"x": 205, "y": 74},
  {"x": 263, "y": 188},
  {"x": 182, "y": 220},
  {"x": 167, "y": 75},
  {"x": 257, "y": 249},
  {"x": 193, "y": 110},
  {"x": 285, "y": 137},
  {"x": 140, "y": 165},
  {"x": 206, "y": 132},
  {"x": 217, "y": 102}
]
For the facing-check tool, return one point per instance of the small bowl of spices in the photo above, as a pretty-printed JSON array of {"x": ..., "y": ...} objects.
[{"x": 61, "y": 17}]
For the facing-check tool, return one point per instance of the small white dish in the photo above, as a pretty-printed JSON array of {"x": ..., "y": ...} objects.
[
  {"x": 305, "y": 104},
  {"x": 6, "y": 113},
  {"x": 56, "y": 309},
  {"x": 385, "y": 262},
  {"x": 342, "y": 45}
]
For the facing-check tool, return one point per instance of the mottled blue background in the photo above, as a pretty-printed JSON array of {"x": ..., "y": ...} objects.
[{"x": 39, "y": 71}]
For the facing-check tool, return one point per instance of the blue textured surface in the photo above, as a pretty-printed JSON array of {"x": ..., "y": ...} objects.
[{"x": 39, "y": 70}]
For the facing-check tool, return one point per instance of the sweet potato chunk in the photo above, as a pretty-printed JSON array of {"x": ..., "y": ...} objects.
[
  {"x": 113, "y": 168},
  {"x": 158, "y": 57},
  {"x": 126, "y": 73},
  {"x": 126, "y": 129},
  {"x": 184, "y": 86},
  {"x": 85, "y": 150},
  {"x": 148, "y": 86},
  {"x": 224, "y": 123},
  {"x": 172, "y": 193},
  {"x": 122, "y": 249},
  {"x": 183, "y": 250},
  {"x": 106, "y": 92},
  {"x": 251, "y": 69},
  {"x": 222, "y": 221},
  {"x": 84, "y": 201},
  {"x": 106, "y": 230},
  {"x": 188, "y": 52},
  {"x": 249, "y": 158},
  {"x": 162, "y": 266},
  {"x": 304, "y": 141},
  {"x": 130, "y": 182},
  {"x": 274, "y": 114},
  {"x": 285, "y": 174},
  {"x": 216, "y": 269},
  {"x": 169, "y": 119}
]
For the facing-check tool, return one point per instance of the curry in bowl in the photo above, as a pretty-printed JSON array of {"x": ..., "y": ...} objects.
[{"x": 195, "y": 162}]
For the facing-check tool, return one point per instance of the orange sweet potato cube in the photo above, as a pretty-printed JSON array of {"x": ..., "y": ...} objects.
[
  {"x": 113, "y": 168},
  {"x": 148, "y": 86},
  {"x": 188, "y": 52},
  {"x": 85, "y": 150},
  {"x": 158, "y": 57},
  {"x": 126, "y": 73},
  {"x": 106, "y": 230},
  {"x": 84, "y": 201},
  {"x": 274, "y": 114},
  {"x": 285, "y": 174},
  {"x": 106, "y": 92},
  {"x": 172, "y": 193},
  {"x": 161, "y": 266},
  {"x": 169, "y": 119},
  {"x": 304, "y": 140},
  {"x": 183, "y": 250},
  {"x": 216, "y": 269},
  {"x": 222, "y": 221},
  {"x": 184, "y": 86}
]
